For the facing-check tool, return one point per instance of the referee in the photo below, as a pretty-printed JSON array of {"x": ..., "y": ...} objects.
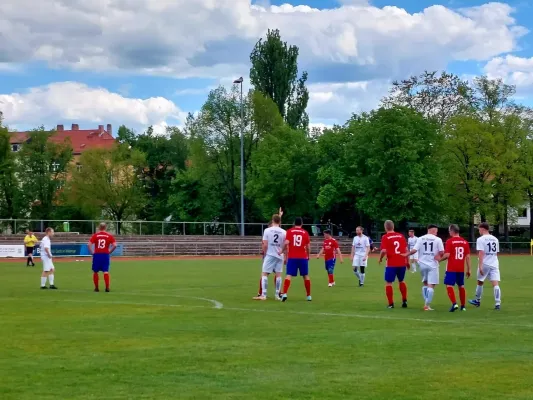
[{"x": 29, "y": 242}]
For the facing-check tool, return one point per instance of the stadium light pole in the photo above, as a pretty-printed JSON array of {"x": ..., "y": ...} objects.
[{"x": 239, "y": 82}]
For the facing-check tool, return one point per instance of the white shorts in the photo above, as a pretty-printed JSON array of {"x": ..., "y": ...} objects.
[
  {"x": 272, "y": 264},
  {"x": 429, "y": 274},
  {"x": 48, "y": 265},
  {"x": 359, "y": 261},
  {"x": 490, "y": 273}
]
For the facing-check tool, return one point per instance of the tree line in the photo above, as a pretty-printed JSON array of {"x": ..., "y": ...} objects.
[{"x": 437, "y": 149}]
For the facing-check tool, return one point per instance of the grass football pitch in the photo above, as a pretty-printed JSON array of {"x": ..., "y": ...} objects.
[{"x": 188, "y": 329}]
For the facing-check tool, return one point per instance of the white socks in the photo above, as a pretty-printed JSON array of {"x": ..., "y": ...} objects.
[
  {"x": 264, "y": 285},
  {"x": 278, "y": 286},
  {"x": 51, "y": 279},
  {"x": 413, "y": 267},
  {"x": 424, "y": 293},
  {"x": 43, "y": 281},
  {"x": 362, "y": 278},
  {"x": 356, "y": 272},
  {"x": 479, "y": 292},
  {"x": 497, "y": 295},
  {"x": 429, "y": 295}
]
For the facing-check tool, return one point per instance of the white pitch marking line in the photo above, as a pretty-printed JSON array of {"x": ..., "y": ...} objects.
[
  {"x": 324, "y": 314},
  {"x": 216, "y": 304}
]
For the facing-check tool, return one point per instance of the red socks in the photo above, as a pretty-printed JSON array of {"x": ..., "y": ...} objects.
[
  {"x": 462, "y": 296},
  {"x": 451, "y": 294},
  {"x": 403, "y": 291},
  {"x": 286, "y": 286},
  {"x": 95, "y": 279},
  {"x": 390, "y": 296},
  {"x": 106, "y": 280},
  {"x": 307, "y": 284},
  {"x": 331, "y": 278}
]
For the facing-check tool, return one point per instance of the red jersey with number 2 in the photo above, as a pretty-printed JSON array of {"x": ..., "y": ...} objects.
[
  {"x": 298, "y": 239},
  {"x": 394, "y": 244},
  {"x": 330, "y": 247},
  {"x": 458, "y": 249},
  {"x": 102, "y": 241}
]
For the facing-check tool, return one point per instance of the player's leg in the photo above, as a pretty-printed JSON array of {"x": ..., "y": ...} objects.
[
  {"x": 494, "y": 277},
  {"x": 450, "y": 281},
  {"x": 400, "y": 274},
  {"x": 96, "y": 269},
  {"x": 413, "y": 261},
  {"x": 330, "y": 269},
  {"x": 481, "y": 277},
  {"x": 32, "y": 263},
  {"x": 51, "y": 277},
  {"x": 28, "y": 257},
  {"x": 292, "y": 270},
  {"x": 278, "y": 283},
  {"x": 267, "y": 269},
  {"x": 106, "y": 261},
  {"x": 362, "y": 267},
  {"x": 433, "y": 280},
  {"x": 304, "y": 272},
  {"x": 390, "y": 277},
  {"x": 356, "y": 264}
]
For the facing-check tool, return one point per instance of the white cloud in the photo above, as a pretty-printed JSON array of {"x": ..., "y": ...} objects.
[
  {"x": 513, "y": 70},
  {"x": 76, "y": 102},
  {"x": 189, "y": 38}
]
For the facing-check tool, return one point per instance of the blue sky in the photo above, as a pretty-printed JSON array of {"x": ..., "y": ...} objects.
[{"x": 149, "y": 62}]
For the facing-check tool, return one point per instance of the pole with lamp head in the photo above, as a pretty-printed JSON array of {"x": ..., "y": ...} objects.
[{"x": 239, "y": 82}]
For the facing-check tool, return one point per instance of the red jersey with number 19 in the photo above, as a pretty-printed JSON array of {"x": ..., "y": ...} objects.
[
  {"x": 394, "y": 244},
  {"x": 102, "y": 241},
  {"x": 298, "y": 239},
  {"x": 458, "y": 248}
]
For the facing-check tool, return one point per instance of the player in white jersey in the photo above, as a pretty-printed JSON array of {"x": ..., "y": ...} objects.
[
  {"x": 411, "y": 241},
  {"x": 428, "y": 248},
  {"x": 273, "y": 239},
  {"x": 359, "y": 255},
  {"x": 488, "y": 248},
  {"x": 46, "y": 258}
]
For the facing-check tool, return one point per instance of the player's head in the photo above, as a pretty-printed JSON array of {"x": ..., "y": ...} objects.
[
  {"x": 433, "y": 229},
  {"x": 327, "y": 234},
  {"x": 483, "y": 228},
  {"x": 411, "y": 232},
  {"x": 389, "y": 226},
  {"x": 454, "y": 230},
  {"x": 29, "y": 232},
  {"x": 359, "y": 231},
  {"x": 49, "y": 232},
  {"x": 276, "y": 220},
  {"x": 102, "y": 227},
  {"x": 298, "y": 222}
]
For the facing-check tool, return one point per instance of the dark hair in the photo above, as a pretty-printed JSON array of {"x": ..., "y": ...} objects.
[
  {"x": 276, "y": 219},
  {"x": 360, "y": 227},
  {"x": 454, "y": 228},
  {"x": 327, "y": 232},
  {"x": 484, "y": 225},
  {"x": 298, "y": 221},
  {"x": 411, "y": 230},
  {"x": 432, "y": 226}
]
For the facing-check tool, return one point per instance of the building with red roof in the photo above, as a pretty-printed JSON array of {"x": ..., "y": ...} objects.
[{"x": 81, "y": 139}]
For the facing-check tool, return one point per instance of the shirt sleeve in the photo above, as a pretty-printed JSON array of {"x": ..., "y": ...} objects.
[
  {"x": 367, "y": 242},
  {"x": 417, "y": 245},
  {"x": 467, "y": 248},
  {"x": 479, "y": 244},
  {"x": 112, "y": 239},
  {"x": 440, "y": 245},
  {"x": 93, "y": 239},
  {"x": 265, "y": 235}
]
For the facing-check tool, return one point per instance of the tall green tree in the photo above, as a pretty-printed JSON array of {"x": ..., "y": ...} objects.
[
  {"x": 438, "y": 96},
  {"x": 108, "y": 183},
  {"x": 274, "y": 72},
  {"x": 469, "y": 149},
  {"x": 396, "y": 166},
  {"x": 10, "y": 195},
  {"x": 42, "y": 169}
]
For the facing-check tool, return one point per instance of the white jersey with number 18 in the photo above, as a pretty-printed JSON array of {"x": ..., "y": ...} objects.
[
  {"x": 491, "y": 247},
  {"x": 275, "y": 237}
]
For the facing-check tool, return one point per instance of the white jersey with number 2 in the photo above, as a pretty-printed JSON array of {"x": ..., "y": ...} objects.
[
  {"x": 491, "y": 247},
  {"x": 428, "y": 246},
  {"x": 275, "y": 237}
]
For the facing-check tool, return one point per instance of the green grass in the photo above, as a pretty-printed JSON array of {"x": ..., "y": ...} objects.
[{"x": 154, "y": 338}]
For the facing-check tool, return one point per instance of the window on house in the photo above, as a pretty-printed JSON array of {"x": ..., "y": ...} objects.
[
  {"x": 55, "y": 166},
  {"x": 524, "y": 213},
  {"x": 15, "y": 147},
  {"x": 78, "y": 167}
]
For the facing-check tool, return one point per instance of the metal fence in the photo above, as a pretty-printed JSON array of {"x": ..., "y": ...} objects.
[{"x": 18, "y": 226}]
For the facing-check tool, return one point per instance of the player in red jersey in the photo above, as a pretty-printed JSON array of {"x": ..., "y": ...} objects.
[
  {"x": 330, "y": 249},
  {"x": 101, "y": 245},
  {"x": 393, "y": 245},
  {"x": 298, "y": 244},
  {"x": 457, "y": 252}
]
